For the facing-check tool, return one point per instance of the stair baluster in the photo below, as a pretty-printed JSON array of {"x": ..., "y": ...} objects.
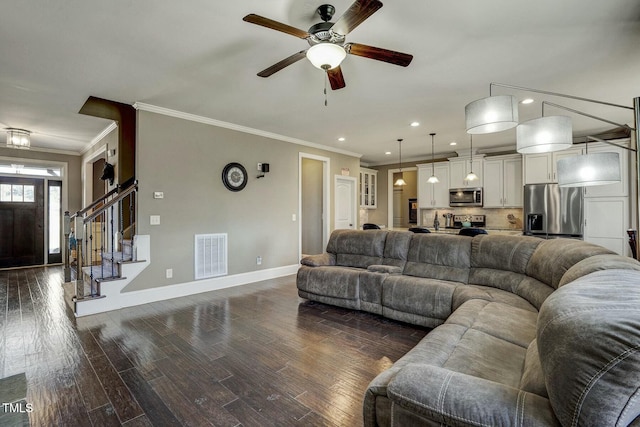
[{"x": 97, "y": 241}]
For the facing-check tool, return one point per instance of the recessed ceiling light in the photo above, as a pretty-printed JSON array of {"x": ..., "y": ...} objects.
[
  {"x": 342, "y": 138},
  {"x": 527, "y": 101},
  {"x": 415, "y": 124},
  {"x": 453, "y": 143},
  {"x": 387, "y": 152}
]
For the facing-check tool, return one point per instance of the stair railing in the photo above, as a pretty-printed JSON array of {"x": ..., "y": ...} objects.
[{"x": 92, "y": 232}]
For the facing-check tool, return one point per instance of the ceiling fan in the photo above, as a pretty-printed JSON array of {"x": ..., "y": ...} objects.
[{"x": 327, "y": 41}]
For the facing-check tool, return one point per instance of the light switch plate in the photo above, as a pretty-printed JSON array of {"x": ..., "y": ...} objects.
[
  {"x": 158, "y": 195},
  {"x": 154, "y": 220}
]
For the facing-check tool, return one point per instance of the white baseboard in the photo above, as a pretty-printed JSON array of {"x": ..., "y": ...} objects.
[{"x": 117, "y": 299}]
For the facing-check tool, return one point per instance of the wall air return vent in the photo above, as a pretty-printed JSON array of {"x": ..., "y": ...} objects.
[{"x": 210, "y": 255}]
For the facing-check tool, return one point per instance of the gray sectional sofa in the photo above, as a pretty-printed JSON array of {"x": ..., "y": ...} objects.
[{"x": 527, "y": 332}]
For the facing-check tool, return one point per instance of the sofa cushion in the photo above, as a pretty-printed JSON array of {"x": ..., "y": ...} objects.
[
  {"x": 449, "y": 398},
  {"x": 522, "y": 290},
  {"x": 503, "y": 321},
  {"x": 416, "y": 295},
  {"x": 336, "y": 282},
  {"x": 396, "y": 248},
  {"x": 554, "y": 257},
  {"x": 355, "y": 248},
  {"x": 506, "y": 253},
  {"x": 589, "y": 345},
  {"x": 439, "y": 256},
  {"x": 532, "y": 378},
  {"x": 597, "y": 263}
]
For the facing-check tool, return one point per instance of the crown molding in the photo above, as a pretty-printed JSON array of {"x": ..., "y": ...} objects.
[
  {"x": 113, "y": 125},
  {"x": 219, "y": 123}
]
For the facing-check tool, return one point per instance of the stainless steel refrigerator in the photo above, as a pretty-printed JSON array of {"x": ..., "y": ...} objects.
[{"x": 551, "y": 211}]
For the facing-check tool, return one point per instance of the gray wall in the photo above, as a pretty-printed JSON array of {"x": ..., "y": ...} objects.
[
  {"x": 74, "y": 166},
  {"x": 184, "y": 159}
]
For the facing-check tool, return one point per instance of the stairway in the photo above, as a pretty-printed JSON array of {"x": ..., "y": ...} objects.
[{"x": 108, "y": 251}]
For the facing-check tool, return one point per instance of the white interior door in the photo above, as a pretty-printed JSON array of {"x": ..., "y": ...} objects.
[{"x": 346, "y": 202}]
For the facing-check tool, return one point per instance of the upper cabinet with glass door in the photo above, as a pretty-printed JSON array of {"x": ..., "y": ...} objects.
[{"x": 368, "y": 188}]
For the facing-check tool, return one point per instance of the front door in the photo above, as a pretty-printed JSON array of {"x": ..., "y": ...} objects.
[
  {"x": 21, "y": 222},
  {"x": 346, "y": 196}
]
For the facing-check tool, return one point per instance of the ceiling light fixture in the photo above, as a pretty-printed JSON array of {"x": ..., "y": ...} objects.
[
  {"x": 415, "y": 124},
  {"x": 341, "y": 139},
  {"x": 527, "y": 101},
  {"x": 453, "y": 143},
  {"x": 433, "y": 179},
  {"x": 471, "y": 176},
  {"x": 589, "y": 169},
  {"x": 400, "y": 180},
  {"x": 492, "y": 114},
  {"x": 544, "y": 135},
  {"x": 326, "y": 55},
  {"x": 18, "y": 138},
  {"x": 387, "y": 153}
]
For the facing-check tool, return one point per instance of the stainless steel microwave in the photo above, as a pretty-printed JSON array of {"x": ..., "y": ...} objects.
[{"x": 465, "y": 197}]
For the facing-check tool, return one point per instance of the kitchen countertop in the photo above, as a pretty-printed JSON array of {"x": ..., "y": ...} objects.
[{"x": 504, "y": 231}]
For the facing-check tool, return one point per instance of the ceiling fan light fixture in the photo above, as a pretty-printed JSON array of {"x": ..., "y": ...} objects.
[
  {"x": 18, "y": 138},
  {"x": 326, "y": 56}
]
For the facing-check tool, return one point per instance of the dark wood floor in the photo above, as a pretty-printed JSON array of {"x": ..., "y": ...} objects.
[{"x": 254, "y": 355}]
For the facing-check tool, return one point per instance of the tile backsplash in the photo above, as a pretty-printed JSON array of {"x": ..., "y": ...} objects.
[{"x": 504, "y": 219}]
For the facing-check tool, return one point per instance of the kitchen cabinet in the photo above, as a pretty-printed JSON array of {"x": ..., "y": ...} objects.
[
  {"x": 541, "y": 168},
  {"x": 606, "y": 220},
  {"x": 503, "y": 182},
  {"x": 607, "y": 207},
  {"x": 458, "y": 170},
  {"x": 433, "y": 195},
  {"x": 368, "y": 188}
]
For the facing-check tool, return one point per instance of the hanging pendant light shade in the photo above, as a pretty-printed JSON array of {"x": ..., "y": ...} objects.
[
  {"x": 471, "y": 176},
  {"x": 400, "y": 180},
  {"x": 433, "y": 179},
  {"x": 589, "y": 169},
  {"x": 491, "y": 114},
  {"x": 544, "y": 135}
]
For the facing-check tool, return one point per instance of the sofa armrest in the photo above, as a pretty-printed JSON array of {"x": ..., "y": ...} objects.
[
  {"x": 389, "y": 269},
  {"x": 454, "y": 398},
  {"x": 319, "y": 260}
]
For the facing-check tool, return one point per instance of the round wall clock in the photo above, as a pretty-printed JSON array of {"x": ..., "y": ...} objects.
[{"x": 234, "y": 176}]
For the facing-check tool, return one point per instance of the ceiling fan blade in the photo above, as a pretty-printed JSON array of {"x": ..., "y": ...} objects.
[
  {"x": 284, "y": 63},
  {"x": 275, "y": 25},
  {"x": 378, "y": 53},
  {"x": 336, "y": 78},
  {"x": 355, "y": 15}
]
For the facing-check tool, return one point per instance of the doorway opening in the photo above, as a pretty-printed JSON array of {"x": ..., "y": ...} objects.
[
  {"x": 402, "y": 209},
  {"x": 313, "y": 199}
]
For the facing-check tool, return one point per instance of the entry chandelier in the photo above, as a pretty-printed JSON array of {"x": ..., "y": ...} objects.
[
  {"x": 550, "y": 133},
  {"x": 18, "y": 138},
  {"x": 400, "y": 180},
  {"x": 433, "y": 179}
]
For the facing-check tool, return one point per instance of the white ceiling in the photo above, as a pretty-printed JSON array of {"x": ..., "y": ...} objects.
[{"x": 199, "y": 57}]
